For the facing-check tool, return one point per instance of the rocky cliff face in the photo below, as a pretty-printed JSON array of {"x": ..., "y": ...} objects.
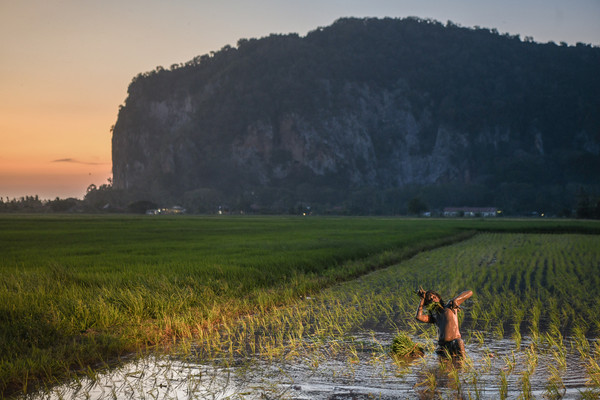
[{"x": 324, "y": 120}]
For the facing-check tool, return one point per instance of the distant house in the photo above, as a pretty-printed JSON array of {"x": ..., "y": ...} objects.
[
  {"x": 166, "y": 211},
  {"x": 471, "y": 212}
]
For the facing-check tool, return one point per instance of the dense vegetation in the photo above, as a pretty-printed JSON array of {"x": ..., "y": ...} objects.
[
  {"x": 538, "y": 103},
  {"x": 107, "y": 200},
  {"x": 75, "y": 290}
]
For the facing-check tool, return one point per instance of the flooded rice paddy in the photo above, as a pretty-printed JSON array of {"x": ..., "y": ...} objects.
[
  {"x": 360, "y": 367},
  {"x": 527, "y": 336}
]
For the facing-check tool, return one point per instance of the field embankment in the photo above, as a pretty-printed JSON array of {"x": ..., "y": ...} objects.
[{"x": 78, "y": 290}]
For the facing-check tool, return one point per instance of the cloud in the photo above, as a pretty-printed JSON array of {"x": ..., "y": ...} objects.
[{"x": 74, "y": 161}]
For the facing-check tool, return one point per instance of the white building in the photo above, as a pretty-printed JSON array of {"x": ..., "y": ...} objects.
[{"x": 471, "y": 212}]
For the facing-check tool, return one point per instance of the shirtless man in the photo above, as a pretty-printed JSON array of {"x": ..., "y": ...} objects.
[{"x": 445, "y": 318}]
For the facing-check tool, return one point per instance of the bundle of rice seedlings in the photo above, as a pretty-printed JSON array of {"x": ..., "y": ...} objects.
[{"x": 404, "y": 346}]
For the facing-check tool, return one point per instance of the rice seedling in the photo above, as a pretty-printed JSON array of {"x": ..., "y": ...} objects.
[
  {"x": 499, "y": 330},
  {"x": 510, "y": 363},
  {"x": 555, "y": 388},
  {"x": 455, "y": 376},
  {"x": 593, "y": 366},
  {"x": 557, "y": 349},
  {"x": 580, "y": 342},
  {"x": 589, "y": 394},
  {"x": 503, "y": 387},
  {"x": 474, "y": 390},
  {"x": 480, "y": 336},
  {"x": 404, "y": 346},
  {"x": 526, "y": 393},
  {"x": 427, "y": 384}
]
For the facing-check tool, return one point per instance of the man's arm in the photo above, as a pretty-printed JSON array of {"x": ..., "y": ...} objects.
[
  {"x": 420, "y": 316},
  {"x": 462, "y": 297}
]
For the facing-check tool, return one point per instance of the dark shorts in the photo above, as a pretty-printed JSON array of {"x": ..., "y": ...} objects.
[{"x": 452, "y": 348}]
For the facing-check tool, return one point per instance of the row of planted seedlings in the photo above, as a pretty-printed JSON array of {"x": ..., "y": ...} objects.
[
  {"x": 541, "y": 292},
  {"x": 289, "y": 330},
  {"x": 525, "y": 297}
]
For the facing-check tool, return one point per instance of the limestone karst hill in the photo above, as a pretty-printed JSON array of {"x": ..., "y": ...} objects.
[{"x": 364, "y": 116}]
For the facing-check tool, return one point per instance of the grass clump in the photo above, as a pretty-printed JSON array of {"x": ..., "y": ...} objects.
[{"x": 404, "y": 347}]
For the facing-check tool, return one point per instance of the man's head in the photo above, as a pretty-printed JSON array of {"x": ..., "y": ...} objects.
[{"x": 432, "y": 297}]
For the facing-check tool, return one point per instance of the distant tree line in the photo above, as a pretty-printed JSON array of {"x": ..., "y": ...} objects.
[
  {"x": 33, "y": 204},
  {"x": 412, "y": 201},
  {"x": 98, "y": 199}
]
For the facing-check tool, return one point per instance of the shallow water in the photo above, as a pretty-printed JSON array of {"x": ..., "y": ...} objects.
[{"x": 359, "y": 368}]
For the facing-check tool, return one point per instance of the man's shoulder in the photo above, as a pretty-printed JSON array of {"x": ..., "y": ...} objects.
[{"x": 452, "y": 305}]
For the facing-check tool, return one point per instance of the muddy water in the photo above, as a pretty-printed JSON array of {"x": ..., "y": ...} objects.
[{"x": 359, "y": 368}]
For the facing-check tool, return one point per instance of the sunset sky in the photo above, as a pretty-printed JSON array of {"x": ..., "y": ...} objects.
[{"x": 66, "y": 64}]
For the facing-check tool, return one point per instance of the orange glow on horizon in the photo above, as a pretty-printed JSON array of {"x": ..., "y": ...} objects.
[
  {"x": 55, "y": 143},
  {"x": 51, "y": 153},
  {"x": 50, "y": 179}
]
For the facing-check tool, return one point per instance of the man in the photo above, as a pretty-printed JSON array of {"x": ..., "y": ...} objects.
[{"x": 445, "y": 317}]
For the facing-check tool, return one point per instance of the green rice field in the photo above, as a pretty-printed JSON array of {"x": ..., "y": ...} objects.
[{"x": 80, "y": 294}]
